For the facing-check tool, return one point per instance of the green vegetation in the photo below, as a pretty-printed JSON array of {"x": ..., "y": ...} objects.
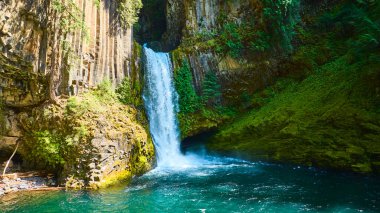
[
  {"x": 53, "y": 145},
  {"x": 211, "y": 90},
  {"x": 52, "y": 148},
  {"x": 270, "y": 28},
  {"x": 280, "y": 18},
  {"x": 188, "y": 99},
  {"x": 48, "y": 148},
  {"x": 325, "y": 111},
  {"x": 70, "y": 17},
  {"x": 127, "y": 12},
  {"x": 129, "y": 93},
  {"x": 199, "y": 112},
  {"x": 104, "y": 92},
  {"x": 125, "y": 92}
]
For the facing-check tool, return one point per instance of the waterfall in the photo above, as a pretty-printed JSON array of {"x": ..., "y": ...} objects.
[{"x": 161, "y": 103}]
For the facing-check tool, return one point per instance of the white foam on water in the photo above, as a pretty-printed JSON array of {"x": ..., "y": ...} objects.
[{"x": 161, "y": 103}]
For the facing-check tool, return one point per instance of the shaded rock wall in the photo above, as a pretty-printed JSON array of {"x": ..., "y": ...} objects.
[
  {"x": 309, "y": 119},
  {"x": 236, "y": 76},
  {"x": 204, "y": 20},
  {"x": 202, "y": 17}
]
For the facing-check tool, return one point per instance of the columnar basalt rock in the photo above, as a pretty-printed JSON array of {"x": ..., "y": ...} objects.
[
  {"x": 251, "y": 78},
  {"x": 27, "y": 34},
  {"x": 38, "y": 57}
]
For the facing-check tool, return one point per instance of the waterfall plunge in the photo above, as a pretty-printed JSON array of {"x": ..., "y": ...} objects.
[{"x": 161, "y": 103}]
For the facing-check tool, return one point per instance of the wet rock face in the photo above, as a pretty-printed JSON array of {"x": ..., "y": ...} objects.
[
  {"x": 175, "y": 19},
  {"x": 152, "y": 21},
  {"x": 161, "y": 23}
]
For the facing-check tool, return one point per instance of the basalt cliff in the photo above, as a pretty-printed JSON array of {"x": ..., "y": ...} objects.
[{"x": 60, "y": 63}]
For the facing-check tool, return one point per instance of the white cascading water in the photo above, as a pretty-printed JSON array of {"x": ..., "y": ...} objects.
[{"x": 161, "y": 103}]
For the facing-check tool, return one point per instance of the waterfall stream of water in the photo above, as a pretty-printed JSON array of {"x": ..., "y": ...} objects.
[
  {"x": 202, "y": 183},
  {"x": 161, "y": 102}
]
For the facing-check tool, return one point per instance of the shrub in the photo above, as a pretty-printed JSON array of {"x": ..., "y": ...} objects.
[
  {"x": 105, "y": 92},
  {"x": 124, "y": 92},
  {"x": 127, "y": 12},
  {"x": 275, "y": 29},
  {"x": 281, "y": 17},
  {"x": 47, "y": 147},
  {"x": 129, "y": 93},
  {"x": 211, "y": 93},
  {"x": 230, "y": 40},
  {"x": 188, "y": 99}
]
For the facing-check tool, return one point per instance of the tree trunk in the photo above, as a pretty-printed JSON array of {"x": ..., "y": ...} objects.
[{"x": 13, "y": 154}]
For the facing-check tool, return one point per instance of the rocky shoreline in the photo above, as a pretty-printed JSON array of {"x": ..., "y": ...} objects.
[{"x": 27, "y": 181}]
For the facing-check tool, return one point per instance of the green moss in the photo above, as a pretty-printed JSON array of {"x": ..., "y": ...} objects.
[
  {"x": 321, "y": 121},
  {"x": 113, "y": 179},
  {"x": 325, "y": 111},
  {"x": 129, "y": 92},
  {"x": 47, "y": 147},
  {"x": 189, "y": 101},
  {"x": 198, "y": 112}
]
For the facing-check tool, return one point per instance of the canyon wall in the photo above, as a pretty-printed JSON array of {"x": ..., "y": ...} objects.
[
  {"x": 52, "y": 50},
  {"x": 296, "y": 80},
  {"x": 205, "y": 27},
  {"x": 31, "y": 34},
  {"x": 202, "y": 20}
]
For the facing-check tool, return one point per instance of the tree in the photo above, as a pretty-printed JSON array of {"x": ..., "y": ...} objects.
[
  {"x": 211, "y": 89},
  {"x": 188, "y": 99}
]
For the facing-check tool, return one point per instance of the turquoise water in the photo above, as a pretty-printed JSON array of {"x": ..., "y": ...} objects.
[
  {"x": 225, "y": 185},
  {"x": 199, "y": 183}
]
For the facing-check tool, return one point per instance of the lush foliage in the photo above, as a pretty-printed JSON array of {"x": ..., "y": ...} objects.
[
  {"x": 270, "y": 28},
  {"x": 237, "y": 39},
  {"x": 199, "y": 112},
  {"x": 330, "y": 117},
  {"x": 104, "y": 92},
  {"x": 125, "y": 92},
  {"x": 280, "y": 18},
  {"x": 188, "y": 98},
  {"x": 127, "y": 12},
  {"x": 211, "y": 89},
  {"x": 50, "y": 147},
  {"x": 129, "y": 92},
  {"x": 357, "y": 24}
]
